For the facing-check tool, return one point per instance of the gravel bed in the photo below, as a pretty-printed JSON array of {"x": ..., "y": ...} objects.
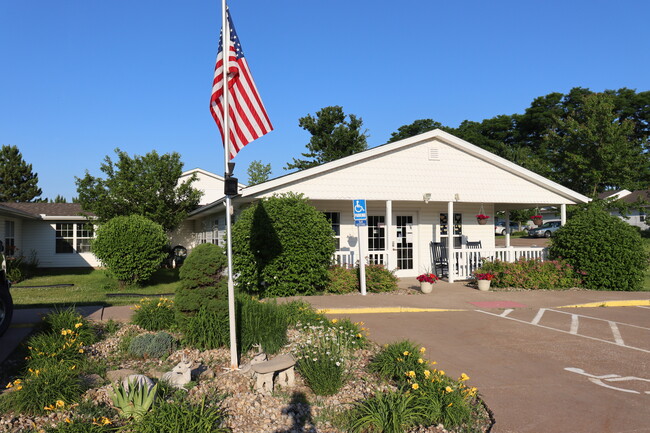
[{"x": 285, "y": 411}]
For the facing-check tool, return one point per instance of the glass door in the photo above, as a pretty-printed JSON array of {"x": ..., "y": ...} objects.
[{"x": 404, "y": 244}]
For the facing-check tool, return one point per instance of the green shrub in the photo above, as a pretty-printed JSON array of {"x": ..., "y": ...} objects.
[
  {"x": 532, "y": 274},
  {"x": 207, "y": 329},
  {"x": 154, "y": 314},
  {"x": 379, "y": 279},
  {"x": 44, "y": 390},
  {"x": 342, "y": 280},
  {"x": 131, "y": 247},
  {"x": 282, "y": 246},
  {"x": 301, "y": 312},
  {"x": 322, "y": 366},
  {"x": 261, "y": 323},
  {"x": 69, "y": 318},
  {"x": 390, "y": 412},
  {"x": 606, "y": 250},
  {"x": 395, "y": 360},
  {"x": 21, "y": 268},
  {"x": 182, "y": 416},
  {"x": 152, "y": 345},
  {"x": 203, "y": 284}
]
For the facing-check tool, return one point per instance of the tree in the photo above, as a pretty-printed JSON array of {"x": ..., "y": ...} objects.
[
  {"x": 131, "y": 247},
  {"x": 59, "y": 199},
  {"x": 258, "y": 172},
  {"x": 333, "y": 137},
  {"x": 143, "y": 185},
  {"x": 417, "y": 127},
  {"x": 18, "y": 183},
  {"x": 592, "y": 151}
]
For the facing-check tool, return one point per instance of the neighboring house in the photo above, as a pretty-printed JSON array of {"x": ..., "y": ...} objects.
[
  {"x": 637, "y": 216},
  {"x": 211, "y": 184},
  {"x": 420, "y": 190},
  {"x": 56, "y": 233}
]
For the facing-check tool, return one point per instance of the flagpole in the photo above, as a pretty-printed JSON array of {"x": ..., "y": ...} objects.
[{"x": 225, "y": 50}]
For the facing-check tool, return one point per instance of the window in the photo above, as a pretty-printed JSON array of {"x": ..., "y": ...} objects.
[
  {"x": 376, "y": 233},
  {"x": 209, "y": 233},
  {"x": 10, "y": 238},
  {"x": 457, "y": 228},
  {"x": 73, "y": 237},
  {"x": 64, "y": 238},
  {"x": 335, "y": 219},
  {"x": 84, "y": 234}
]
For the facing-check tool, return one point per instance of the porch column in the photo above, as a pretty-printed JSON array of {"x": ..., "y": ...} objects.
[
  {"x": 507, "y": 226},
  {"x": 562, "y": 214},
  {"x": 390, "y": 251},
  {"x": 451, "y": 257}
]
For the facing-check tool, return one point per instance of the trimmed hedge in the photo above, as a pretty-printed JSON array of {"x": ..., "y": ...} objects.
[
  {"x": 605, "y": 249},
  {"x": 131, "y": 247},
  {"x": 282, "y": 246}
]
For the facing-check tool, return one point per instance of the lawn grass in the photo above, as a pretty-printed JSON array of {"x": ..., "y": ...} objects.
[{"x": 86, "y": 287}]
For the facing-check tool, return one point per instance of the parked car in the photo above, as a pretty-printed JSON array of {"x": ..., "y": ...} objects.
[
  {"x": 6, "y": 303},
  {"x": 500, "y": 227},
  {"x": 546, "y": 230}
]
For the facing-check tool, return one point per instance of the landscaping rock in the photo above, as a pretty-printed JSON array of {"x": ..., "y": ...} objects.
[
  {"x": 117, "y": 375},
  {"x": 138, "y": 380}
]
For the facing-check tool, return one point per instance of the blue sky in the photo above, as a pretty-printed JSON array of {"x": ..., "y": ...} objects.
[{"x": 79, "y": 78}]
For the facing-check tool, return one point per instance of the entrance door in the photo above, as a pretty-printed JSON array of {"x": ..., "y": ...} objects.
[{"x": 404, "y": 245}]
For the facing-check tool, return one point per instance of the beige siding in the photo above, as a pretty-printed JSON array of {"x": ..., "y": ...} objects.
[{"x": 40, "y": 236}]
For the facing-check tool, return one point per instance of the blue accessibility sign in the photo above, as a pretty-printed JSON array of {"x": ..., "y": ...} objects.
[{"x": 359, "y": 209}]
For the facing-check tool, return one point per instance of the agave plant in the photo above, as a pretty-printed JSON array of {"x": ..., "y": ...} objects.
[{"x": 135, "y": 400}]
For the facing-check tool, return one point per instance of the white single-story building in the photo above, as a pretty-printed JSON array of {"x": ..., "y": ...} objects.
[
  {"x": 419, "y": 191},
  {"x": 636, "y": 216},
  {"x": 56, "y": 234}
]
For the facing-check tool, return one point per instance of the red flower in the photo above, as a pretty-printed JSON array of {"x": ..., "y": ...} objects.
[
  {"x": 427, "y": 278},
  {"x": 482, "y": 217},
  {"x": 487, "y": 276}
]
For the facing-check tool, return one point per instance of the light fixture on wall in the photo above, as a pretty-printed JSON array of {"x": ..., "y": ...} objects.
[
  {"x": 457, "y": 197},
  {"x": 426, "y": 196}
]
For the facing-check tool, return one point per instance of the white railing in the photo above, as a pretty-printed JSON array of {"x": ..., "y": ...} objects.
[
  {"x": 348, "y": 259},
  {"x": 469, "y": 260}
]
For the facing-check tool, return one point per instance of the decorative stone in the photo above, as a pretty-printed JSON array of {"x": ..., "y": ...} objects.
[
  {"x": 117, "y": 375},
  {"x": 266, "y": 371},
  {"x": 180, "y": 375}
]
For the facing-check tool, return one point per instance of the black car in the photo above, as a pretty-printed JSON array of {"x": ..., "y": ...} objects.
[{"x": 6, "y": 303}]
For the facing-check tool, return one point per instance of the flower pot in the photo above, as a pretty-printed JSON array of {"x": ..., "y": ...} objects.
[
  {"x": 426, "y": 287},
  {"x": 483, "y": 285},
  {"x": 481, "y": 221},
  {"x": 538, "y": 221}
]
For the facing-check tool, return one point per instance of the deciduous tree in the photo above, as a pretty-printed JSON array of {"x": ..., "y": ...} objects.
[
  {"x": 140, "y": 185},
  {"x": 258, "y": 172}
]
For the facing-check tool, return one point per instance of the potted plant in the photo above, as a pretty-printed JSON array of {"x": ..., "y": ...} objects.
[
  {"x": 426, "y": 281},
  {"x": 482, "y": 219},
  {"x": 537, "y": 219},
  {"x": 483, "y": 280}
]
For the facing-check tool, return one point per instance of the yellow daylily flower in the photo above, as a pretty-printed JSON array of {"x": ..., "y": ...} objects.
[{"x": 415, "y": 386}]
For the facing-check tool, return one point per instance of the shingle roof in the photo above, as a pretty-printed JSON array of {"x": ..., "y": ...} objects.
[{"x": 49, "y": 209}]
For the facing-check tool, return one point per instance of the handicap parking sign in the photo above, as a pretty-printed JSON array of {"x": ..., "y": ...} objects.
[{"x": 360, "y": 214}]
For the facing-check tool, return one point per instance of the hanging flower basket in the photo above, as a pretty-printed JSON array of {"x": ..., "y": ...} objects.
[
  {"x": 482, "y": 219},
  {"x": 538, "y": 220}
]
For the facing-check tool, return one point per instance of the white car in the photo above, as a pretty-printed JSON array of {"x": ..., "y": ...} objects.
[{"x": 500, "y": 227}]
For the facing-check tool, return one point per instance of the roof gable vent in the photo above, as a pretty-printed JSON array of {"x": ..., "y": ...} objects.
[{"x": 434, "y": 154}]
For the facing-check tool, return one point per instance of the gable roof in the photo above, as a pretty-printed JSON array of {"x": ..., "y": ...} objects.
[
  {"x": 45, "y": 210},
  {"x": 444, "y": 189}
]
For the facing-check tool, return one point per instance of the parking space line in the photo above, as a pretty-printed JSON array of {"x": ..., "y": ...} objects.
[
  {"x": 567, "y": 332},
  {"x": 616, "y": 333},
  {"x": 574, "y": 324},
  {"x": 506, "y": 312},
  {"x": 538, "y": 317},
  {"x": 602, "y": 320}
]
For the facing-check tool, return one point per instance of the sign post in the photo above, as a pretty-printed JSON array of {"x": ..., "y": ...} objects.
[{"x": 360, "y": 220}]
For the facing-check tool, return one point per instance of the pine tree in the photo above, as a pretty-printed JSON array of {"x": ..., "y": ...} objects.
[{"x": 18, "y": 183}]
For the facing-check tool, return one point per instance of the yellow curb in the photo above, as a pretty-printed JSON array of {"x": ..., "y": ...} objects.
[
  {"x": 382, "y": 310},
  {"x": 631, "y": 303}
]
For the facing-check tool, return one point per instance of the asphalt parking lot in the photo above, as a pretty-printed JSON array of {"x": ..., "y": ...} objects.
[{"x": 540, "y": 367}]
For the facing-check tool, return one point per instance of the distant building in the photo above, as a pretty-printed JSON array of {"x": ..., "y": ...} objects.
[{"x": 637, "y": 216}]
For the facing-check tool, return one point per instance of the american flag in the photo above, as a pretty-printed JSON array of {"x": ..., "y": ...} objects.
[{"x": 247, "y": 118}]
